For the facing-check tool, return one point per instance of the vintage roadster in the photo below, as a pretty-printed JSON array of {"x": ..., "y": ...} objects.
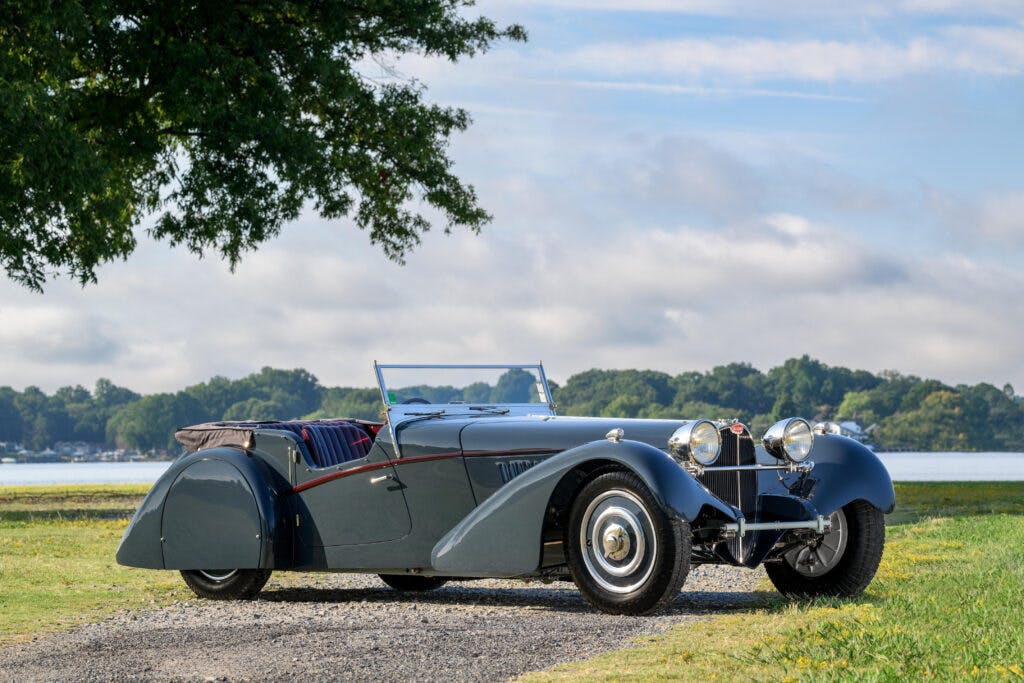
[{"x": 472, "y": 474}]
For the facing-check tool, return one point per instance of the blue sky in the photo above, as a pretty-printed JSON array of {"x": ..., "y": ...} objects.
[{"x": 674, "y": 185}]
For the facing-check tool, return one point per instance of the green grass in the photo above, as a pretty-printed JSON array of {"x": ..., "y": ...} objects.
[
  {"x": 947, "y": 604},
  {"x": 85, "y": 501},
  {"x": 918, "y": 500},
  {"x": 57, "y": 565}
]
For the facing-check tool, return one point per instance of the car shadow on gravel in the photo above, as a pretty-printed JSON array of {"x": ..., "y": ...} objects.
[{"x": 566, "y": 600}]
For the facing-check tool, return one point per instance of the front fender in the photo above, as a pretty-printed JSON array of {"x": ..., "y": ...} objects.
[
  {"x": 216, "y": 508},
  {"x": 844, "y": 471},
  {"x": 502, "y": 537}
]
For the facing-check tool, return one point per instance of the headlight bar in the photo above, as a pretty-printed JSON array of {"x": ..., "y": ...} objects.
[
  {"x": 740, "y": 527},
  {"x": 697, "y": 470}
]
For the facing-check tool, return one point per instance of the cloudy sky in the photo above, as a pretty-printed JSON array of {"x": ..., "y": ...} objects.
[{"x": 675, "y": 184}]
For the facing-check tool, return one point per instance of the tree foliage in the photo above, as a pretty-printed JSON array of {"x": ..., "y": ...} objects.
[
  {"x": 364, "y": 404},
  {"x": 223, "y": 119},
  {"x": 151, "y": 421},
  {"x": 900, "y": 411}
]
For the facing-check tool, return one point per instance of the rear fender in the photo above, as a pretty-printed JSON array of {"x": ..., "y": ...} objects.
[
  {"x": 503, "y": 536},
  {"x": 220, "y": 508}
]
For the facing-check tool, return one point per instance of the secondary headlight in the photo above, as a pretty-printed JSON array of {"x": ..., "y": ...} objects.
[
  {"x": 697, "y": 440},
  {"x": 789, "y": 439}
]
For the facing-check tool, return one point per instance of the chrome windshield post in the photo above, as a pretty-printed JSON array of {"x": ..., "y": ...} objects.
[{"x": 387, "y": 410}]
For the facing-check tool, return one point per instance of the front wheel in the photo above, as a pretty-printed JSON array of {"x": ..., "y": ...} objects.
[
  {"x": 841, "y": 563},
  {"x": 626, "y": 555},
  {"x": 226, "y": 584}
]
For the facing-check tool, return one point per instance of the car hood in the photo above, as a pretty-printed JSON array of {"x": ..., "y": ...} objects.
[{"x": 558, "y": 433}]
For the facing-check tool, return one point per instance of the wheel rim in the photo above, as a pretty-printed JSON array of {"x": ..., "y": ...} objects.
[
  {"x": 617, "y": 541},
  {"x": 218, "y": 574},
  {"x": 824, "y": 554}
]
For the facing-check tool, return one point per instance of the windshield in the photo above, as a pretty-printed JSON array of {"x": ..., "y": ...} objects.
[{"x": 470, "y": 385}]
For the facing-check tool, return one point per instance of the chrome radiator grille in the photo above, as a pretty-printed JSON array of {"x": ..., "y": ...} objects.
[{"x": 735, "y": 488}]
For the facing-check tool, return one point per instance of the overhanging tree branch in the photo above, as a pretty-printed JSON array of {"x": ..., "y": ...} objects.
[{"x": 260, "y": 99}]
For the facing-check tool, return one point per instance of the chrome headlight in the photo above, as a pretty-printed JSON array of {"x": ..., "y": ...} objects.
[
  {"x": 789, "y": 439},
  {"x": 697, "y": 440}
]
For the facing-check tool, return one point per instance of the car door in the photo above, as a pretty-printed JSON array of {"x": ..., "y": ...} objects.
[{"x": 356, "y": 502}]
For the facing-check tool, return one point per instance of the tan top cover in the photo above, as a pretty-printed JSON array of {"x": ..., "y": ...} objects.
[{"x": 213, "y": 434}]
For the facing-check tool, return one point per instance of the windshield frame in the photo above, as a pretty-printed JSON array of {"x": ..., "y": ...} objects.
[
  {"x": 538, "y": 368},
  {"x": 398, "y": 413}
]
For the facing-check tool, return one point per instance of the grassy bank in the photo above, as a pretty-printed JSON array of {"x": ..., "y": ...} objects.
[
  {"x": 946, "y": 604},
  {"x": 947, "y": 601},
  {"x": 57, "y": 565}
]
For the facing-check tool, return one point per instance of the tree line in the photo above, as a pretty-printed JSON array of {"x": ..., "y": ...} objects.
[{"x": 900, "y": 411}]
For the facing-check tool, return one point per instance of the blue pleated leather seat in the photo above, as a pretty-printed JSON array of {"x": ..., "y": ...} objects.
[
  {"x": 330, "y": 442},
  {"x": 335, "y": 443}
]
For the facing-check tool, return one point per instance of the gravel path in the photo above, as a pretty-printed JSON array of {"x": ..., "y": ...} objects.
[{"x": 350, "y": 627}]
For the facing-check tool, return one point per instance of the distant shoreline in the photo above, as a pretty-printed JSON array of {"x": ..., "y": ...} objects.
[{"x": 902, "y": 466}]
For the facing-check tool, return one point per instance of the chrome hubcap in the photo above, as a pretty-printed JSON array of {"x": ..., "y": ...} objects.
[
  {"x": 218, "y": 574},
  {"x": 617, "y": 541},
  {"x": 824, "y": 554}
]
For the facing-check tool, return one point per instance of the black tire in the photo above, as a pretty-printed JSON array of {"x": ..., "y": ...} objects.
[
  {"x": 635, "y": 531},
  {"x": 845, "y": 576},
  {"x": 413, "y": 583},
  {"x": 226, "y": 584}
]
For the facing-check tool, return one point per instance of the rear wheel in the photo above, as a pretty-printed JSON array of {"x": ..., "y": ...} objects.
[
  {"x": 226, "y": 584},
  {"x": 841, "y": 563},
  {"x": 626, "y": 555},
  {"x": 413, "y": 583}
]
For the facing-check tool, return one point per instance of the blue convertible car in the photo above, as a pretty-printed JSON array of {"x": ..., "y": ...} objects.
[{"x": 472, "y": 474}]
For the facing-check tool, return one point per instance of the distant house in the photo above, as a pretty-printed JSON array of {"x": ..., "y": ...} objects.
[{"x": 848, "y": 428}]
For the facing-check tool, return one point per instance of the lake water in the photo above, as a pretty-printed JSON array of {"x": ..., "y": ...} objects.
[
  {"x": 902, "y": 467},
  {"x": 954, "y": 466},
  {"x": 82, "y": 473}
]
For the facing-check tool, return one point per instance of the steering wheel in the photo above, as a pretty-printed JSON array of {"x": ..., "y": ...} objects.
[{"x": 415, "y": 399}]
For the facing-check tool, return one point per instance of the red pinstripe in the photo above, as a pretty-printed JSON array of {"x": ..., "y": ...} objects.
[{"x": 412, "y": 460}]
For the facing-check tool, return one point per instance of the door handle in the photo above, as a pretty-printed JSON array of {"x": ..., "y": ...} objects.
[{"x": 377, "y": 480}]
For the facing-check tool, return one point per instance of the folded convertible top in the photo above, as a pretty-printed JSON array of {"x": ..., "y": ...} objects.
[{"x": 240, "y": 434}]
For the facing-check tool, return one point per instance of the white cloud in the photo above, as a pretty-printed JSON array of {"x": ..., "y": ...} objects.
[
  {"x": 992, "y": 219},
  {"x": 719, "y": 66},
  {"x": 994, "y": 8},
  {"x": 55, "y": 335},
  {"x": 673, "y": 298},
  {"x": 684, "y": 174},
  {"x": 801, "y": 10},
  {"x": 593, "y": 261},
  {"x": 703, "y": 91},
  {"x": 747, "y": 60},
  {"x": 1001, "y": 218}
]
